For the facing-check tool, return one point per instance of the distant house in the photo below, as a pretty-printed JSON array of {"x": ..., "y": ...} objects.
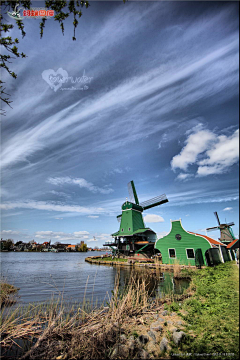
[
  {"x": 45, "y": 244},
  {"x": 71, "y": 248},
  {"x": 188, "y": 248},
  {"x": 61, "y": 246}
]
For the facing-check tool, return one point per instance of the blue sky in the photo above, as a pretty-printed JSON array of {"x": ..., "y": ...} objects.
[{"x": 159, "y": 106}]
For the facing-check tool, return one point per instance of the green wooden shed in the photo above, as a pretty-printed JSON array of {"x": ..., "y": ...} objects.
[{"x": 188, "y": 248}]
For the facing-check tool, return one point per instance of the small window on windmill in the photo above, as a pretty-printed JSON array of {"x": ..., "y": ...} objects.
[
  {"x": 122, "y": 230},
  {"x": 129, "y": 229}
]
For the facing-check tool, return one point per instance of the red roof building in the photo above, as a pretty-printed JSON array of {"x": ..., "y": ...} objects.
[{"x": 233, "y": 245}]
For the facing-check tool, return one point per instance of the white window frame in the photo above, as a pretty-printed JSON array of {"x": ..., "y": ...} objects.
[
  {"x": 193, "y": 253},
  {"x": 170, "y": 257}
]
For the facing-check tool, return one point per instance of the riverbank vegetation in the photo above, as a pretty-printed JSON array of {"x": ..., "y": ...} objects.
[
  {"x": 7, "y": 292},
  {"x": 134, "y": 324},
  {"x": 212, "y": 314}
]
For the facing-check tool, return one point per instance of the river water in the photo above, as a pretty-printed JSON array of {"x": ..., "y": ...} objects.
[{"x": 41, "y": 275}]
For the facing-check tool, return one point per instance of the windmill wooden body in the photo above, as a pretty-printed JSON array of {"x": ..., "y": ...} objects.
[
  {"x": 226, "y": 233},
  {"x": 132, "y": 236}
]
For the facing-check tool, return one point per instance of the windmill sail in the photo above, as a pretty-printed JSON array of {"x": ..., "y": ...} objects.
[
  {"x": 132, "y": 193},
  {"x": 158, "y": 200},
  {"x": 213, "y": 228},
  {"x": 216, "y": 214},
  {"x": 119, "y": 218}
]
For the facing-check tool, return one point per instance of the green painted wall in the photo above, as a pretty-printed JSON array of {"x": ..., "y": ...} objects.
[
  {"x": 132, "y": 220},
  {"x": 188, "y": 241}
]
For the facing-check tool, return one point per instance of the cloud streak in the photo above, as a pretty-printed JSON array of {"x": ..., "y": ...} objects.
[
  {"x": 82, "y": 183},
  {"x": 42, "y": 205},
  {"x": 61, "y": 236}
]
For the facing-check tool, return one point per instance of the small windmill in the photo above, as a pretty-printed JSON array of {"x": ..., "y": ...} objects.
[
  {"x": 226, "y": 233},
  {"x": 133, "y": 236}
]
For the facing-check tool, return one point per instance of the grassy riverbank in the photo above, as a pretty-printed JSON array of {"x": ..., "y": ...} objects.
[
  {"x": 204, "y": 320},
  {"x": 6, "y": 292},
  {"x": 213, "y": 312}
]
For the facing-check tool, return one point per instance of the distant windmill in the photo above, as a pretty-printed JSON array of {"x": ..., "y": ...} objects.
[
  {"x": 133, "y": 236},
  {"x": 226, "y": 233}
]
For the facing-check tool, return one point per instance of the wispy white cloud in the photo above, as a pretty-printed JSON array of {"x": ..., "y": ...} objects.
[
  {"x": 100, "y": 238},
  {"x": 201, "y": 231},
  {"x": 79, "y": 233},
  {"x": 92, "y": 240},
  {"x": 93, "y": 216},
  {"x": 161, "y": 234},
  {"x": 10, "y": 232},
  {"x": 184, "y": 177},
  {"x": 200, "y": 197},
  {"x": 82, "y": 183},
  {"x": 61, "y": 236},
  {"x": 11, "y": 214},
  {"x": 228, "y": 209},
  {"x": 152, "y": 218},
  {"x": 60, "y": 194},
  {"x": 42, "y": 205}
]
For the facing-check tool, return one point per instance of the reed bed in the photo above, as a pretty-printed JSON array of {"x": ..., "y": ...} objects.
[
  {"x": 56, "y": 330},
  {"x": 51, "y": 330},
  {"x": 7, "y": 293}
]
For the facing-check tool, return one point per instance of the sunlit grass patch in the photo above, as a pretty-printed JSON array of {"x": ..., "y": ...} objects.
[{"x": 213, "y": 311}]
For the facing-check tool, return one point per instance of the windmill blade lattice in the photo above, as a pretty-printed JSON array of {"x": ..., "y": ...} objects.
[
  {"x": 158, "y": 200},
  {"x": 132, "y": 193}
]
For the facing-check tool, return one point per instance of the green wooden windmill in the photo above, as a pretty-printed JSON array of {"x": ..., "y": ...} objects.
[
  {"x": 226, "y": 233},
  {"x": 132, "y": 236}
]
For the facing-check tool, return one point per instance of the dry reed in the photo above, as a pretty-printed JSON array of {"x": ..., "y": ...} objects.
[
  {"x": 83, "y": 335},
  {"x": 176, "y": 269}
]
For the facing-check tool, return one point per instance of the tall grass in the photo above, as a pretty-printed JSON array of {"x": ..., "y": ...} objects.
[
  {"x": 176, "y": 269},
  {"x": 8, "y": 293},
  {"x": 52, "y": 330}
]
